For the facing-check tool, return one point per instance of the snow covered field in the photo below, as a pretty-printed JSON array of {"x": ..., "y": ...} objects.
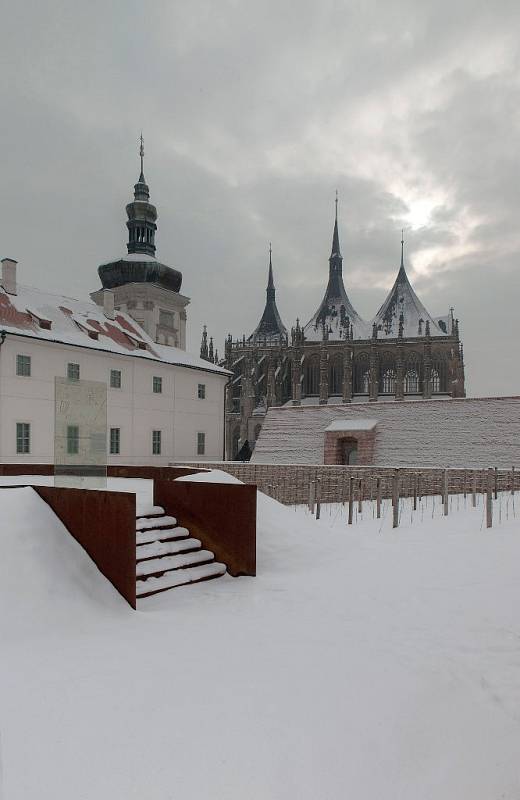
[{"x": 361, "y": 662}]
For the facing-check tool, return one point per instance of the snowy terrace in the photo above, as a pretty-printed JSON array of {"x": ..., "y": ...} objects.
[{"x": 361, "y": 662}]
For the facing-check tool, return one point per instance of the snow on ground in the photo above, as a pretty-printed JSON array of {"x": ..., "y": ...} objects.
[{"x": 361, "y": 662}]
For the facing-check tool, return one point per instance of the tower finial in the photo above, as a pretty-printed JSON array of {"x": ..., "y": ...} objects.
[
  {"x": 141, "y": 154},
  {"x": 336, "y": 205},
  {"x": 402, "y": 248}
]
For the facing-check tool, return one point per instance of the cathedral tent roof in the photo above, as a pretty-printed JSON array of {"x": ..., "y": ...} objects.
[
  {"x": 403, "y": 300},
  {"x": 270, "y": 327},
  {"x": 336, "y": 312}
]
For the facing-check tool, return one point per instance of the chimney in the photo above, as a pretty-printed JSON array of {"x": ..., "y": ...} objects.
[
  {"x": 108, "y": 303},
  {"x": 9, "y": 275}
]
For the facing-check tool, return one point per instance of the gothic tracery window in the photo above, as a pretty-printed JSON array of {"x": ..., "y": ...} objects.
[
  {"x": 411, "y": 381},
  {"x": 388, "y": 379}
]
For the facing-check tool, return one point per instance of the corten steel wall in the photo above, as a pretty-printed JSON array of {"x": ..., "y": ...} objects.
[
  {"x": 104, "y": 525},
  {"x": 116, "y": 471},
  {"x": 290, "y": 483},
  {"x": 221, "y": 515}
]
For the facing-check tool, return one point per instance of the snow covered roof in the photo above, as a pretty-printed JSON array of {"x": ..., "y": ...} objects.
[
  {"x": 465, "y": 432},
  {"x": 352, "y": 425},
  {"x": 55, "y": 318}
]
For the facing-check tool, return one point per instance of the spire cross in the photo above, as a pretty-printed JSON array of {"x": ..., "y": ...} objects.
[
  {"x": 141, "y": 151},
  {"x": 336, "y": 201},
  {"x": 402, "y": 247}
]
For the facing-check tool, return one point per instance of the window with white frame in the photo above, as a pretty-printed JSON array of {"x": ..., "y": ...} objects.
[
  {"x": 23, "y": 437},
  {"x": 72, "y": 440},
  {"x": 23, "y": 366},
  {"x": 73, "y": 372},
  {"x": 201, "y": 444},
  {"x": 115, "y": 441},
  {"x": 115, "y": 378},
  {"x": 157, "y": 384},
  {"x": 156, "y": 443},
  {"x": 201, "y": 391}
]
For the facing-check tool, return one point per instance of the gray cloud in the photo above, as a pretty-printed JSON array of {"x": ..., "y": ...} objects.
[{"x": 253, "y": 115}]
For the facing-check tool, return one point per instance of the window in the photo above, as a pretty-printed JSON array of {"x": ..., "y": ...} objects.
[
  {"x": 73, "y": 372},
  {"x": 115, "y": 378},
  {"x": 166, "y": 319},
  {"x": 115, "y": 441},
  {"x": 201, "y": 444},
  {"x": 72, "y": 440},
  {"x": 388, "y": 380},
  {"x": 312, "y": 376},
  {"x": 23, "y": 437},
  {"x": 156, "y": 443},
  {"x": 157, "y": 385},
  {"x": 201, "y": 391},
  {"x": 411, "y": 382},
  {"x": 23, "y": 366}
]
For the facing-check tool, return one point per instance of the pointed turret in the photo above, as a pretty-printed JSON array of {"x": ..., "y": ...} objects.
[
  {"x": 270, "y": 329},
  {"x": 204, "y": 344},
  {"x": 336, "y": 310},
  {"x": 402, "y": 313}
]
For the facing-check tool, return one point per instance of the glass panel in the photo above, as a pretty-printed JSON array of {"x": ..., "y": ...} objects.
[
  {"x": 201, "y": 444},
  {"x": 157, "y": 385},
  {"x": 80, "y": 433},
  {"x": 202, "y": 391}
]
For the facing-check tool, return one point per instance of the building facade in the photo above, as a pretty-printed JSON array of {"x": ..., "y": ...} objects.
[
  {"x": 163, "y": 404},
  {"x": 403, "y": 353}
]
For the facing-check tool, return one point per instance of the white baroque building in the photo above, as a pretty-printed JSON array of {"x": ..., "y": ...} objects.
[{"x": 163, "y": 404}]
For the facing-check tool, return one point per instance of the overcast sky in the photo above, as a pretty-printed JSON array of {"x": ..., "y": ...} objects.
[{"x": 253, "y": 114}]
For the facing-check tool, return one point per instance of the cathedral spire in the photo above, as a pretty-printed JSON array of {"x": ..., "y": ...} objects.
[
  {"x": 336, "y": 252},
  {"x": 270, "y": 327},
  {"x": 271, "y": 291},
  {"x": 142, "y": 215}
]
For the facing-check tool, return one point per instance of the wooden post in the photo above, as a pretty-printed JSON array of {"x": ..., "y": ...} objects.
[
  {"x": 415, "y": 491},
  {"x": 489, "y": 500},
  {"x": 395, "y": 499},
  {"x": 312, "y": 495},
  {"x": 318, "y": 498},
  {"x": 360, "y": 496},
  {"x": 379, "y": 491},
  {"x": 474, "y": 490},
  {"x": 445, "y": 494},
  {"x": 496, "y": 483},
  {"x": 350, "y": 500}
]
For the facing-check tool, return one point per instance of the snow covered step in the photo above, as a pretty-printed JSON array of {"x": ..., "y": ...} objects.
[
  {"x": 155, "y": 549},
  {"x": 144, "y": 523},
  {"x": 150, "y": 511},
  {"x": 180, "y": 577},
  {"x": 161, "y": 535},
  {"x": 167, "y": 563}
]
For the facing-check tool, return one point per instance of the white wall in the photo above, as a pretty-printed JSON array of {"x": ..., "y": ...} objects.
[{"x": 134, "y": 408}]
